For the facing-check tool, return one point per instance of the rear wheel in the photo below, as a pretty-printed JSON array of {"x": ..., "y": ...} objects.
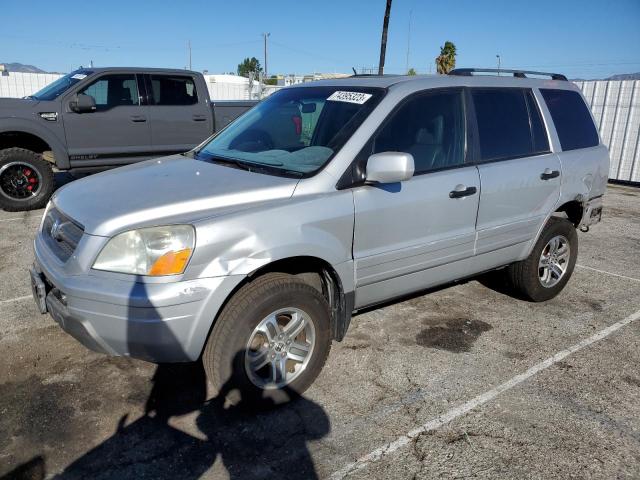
[
  {"x": 270, "y": 342},
  {"x": 546, "y": 271},
  {"x": 26, "y": 181}
]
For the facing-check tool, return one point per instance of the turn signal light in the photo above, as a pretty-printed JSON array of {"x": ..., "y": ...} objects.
[{"x": 171, "y": 263}]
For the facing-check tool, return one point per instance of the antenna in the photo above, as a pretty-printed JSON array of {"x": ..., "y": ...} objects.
[{"x": 406, "y": 69}]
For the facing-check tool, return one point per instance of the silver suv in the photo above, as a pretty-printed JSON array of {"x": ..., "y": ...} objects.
[{"x": 251, "y": 252}]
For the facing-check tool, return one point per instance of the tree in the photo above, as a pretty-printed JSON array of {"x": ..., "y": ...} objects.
[
  {"x": 412, "y": 72},
  {"x": 249, "y": 65},
  {"x": 383, "y": 41},
  {"x": 446, "y": 61}
]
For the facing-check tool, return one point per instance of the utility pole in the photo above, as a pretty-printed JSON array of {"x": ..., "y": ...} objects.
[
  {"x": 498, "y": 57},
  {"x": 189, "y": 47},
  {"x": 265, "y": 35},
  {"x": 383, "y": 42},
  {"x": 406, "y": 68}
]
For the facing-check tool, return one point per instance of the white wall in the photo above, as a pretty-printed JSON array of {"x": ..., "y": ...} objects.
[
  {"x": 615, "y": 106},
  {"x": 221, "y": 87},
  {"x": 616, "y": 109},
  {"x": 18, "y": 85}
]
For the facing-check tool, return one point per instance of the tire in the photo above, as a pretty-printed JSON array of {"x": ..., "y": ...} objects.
[
  {"x": 536, "y": 283},
  {"x": 228, "y": 349},
  {"x": 18, "y": 168}
]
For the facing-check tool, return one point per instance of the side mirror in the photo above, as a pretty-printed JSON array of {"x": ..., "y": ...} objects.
[
  {"x": 389, "y": 167},
  {"x": 83, "y": 104}
]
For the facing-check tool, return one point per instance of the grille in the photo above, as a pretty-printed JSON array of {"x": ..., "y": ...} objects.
[{"x": 61, "y": 234}]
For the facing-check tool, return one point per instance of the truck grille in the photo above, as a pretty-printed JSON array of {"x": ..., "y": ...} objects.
[{"x": 61, "y": 234}]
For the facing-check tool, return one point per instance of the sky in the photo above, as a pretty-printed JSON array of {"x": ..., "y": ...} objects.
[{"x": 583, "y": 39}]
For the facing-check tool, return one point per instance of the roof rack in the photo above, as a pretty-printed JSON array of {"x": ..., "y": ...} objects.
[{"x": 468, "y": 72}]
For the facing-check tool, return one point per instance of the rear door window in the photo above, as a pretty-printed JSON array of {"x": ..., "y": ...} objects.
[
  {"x": 503, "y": 123},
  {"x": 572, "y": 119},
  {"x": 173, "y": 90}
]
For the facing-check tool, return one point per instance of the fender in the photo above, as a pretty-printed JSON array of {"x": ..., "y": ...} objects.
[
  {"x": 581, "y": 194},
  {"x": 13, "y": 124}
]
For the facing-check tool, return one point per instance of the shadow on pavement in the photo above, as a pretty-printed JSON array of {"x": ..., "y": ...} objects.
[{"x": 251, "y": 443}]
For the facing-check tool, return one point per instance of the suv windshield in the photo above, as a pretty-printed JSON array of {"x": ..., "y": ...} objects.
[
  {"x": 295, "y": 131},
  {"x": 57, "y": 88}
]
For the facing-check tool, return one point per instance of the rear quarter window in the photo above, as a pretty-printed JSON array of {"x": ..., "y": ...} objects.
[{"x": 572, "y": 119}]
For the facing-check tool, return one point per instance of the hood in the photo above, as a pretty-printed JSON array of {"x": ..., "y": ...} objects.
[
  {"x": 7, "y": 105},
  {"x": 164, "y": 191}
]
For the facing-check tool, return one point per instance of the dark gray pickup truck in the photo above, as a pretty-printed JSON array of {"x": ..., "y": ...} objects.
[{"x": 98, "y": 118}]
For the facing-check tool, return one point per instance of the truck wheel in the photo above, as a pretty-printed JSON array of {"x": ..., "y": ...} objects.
[
  {"x": 26, "y": 181},
  {"x": 545, "y": 272},
  {"x": 270, "y": 342}
]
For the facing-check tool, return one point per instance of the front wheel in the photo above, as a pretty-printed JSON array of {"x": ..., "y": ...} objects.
[
  {"x": 270, "y": 342},
  {"x": 545, "y": 272},
  {"x": 26, "y": 180}
]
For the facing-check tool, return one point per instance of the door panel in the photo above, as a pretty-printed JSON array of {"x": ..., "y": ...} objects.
[
  {"x": 412, "y": 226},
  {"x": 119, "y": 127},
  {"x": 180, "y": 116},
  {"x": 515, "y": 200},
  {"x": 520, "y": 178}
]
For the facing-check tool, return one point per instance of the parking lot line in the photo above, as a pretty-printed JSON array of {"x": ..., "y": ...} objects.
[
  {"x": 17, "y": 299},
  {"x": 434, "y": 424},
  {"x": 608, "y": 273}
]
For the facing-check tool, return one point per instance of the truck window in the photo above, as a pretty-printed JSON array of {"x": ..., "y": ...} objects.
[
  {"x": 61, "y": 85},
  {"x": 571, "y": 117},
  {"x": 112, "y": 91},
  {"x": 173, "y": 90},
  {"x": 503, "y": 123},
  {"x": 428, "y": 126}
]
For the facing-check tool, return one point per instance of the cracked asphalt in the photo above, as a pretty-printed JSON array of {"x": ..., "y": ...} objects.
[{"x": 68, "y": 413}]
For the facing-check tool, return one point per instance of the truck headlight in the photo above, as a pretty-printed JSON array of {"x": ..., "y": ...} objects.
[{"x": 151, "y": 251}]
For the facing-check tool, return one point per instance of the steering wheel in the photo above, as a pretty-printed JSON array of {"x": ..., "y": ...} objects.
[{"x": 252, "y": 140}]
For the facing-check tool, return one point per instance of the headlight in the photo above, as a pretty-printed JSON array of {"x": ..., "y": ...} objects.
[{"x": 149, "y": 251}]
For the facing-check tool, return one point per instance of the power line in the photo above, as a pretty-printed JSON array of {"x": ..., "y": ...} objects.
[{"x": 311, "y": 54}]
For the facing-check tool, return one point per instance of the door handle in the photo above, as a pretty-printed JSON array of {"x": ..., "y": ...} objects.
[
  {"x": 548, "y": 174},
  {"x": 462, "y": 191},
  {"x": 138, "y": 118},
  {"x": 199, "y": 118}
]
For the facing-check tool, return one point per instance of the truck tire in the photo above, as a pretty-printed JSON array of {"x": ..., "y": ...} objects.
[
  {"x": 26, "y": 181},
  {"x": 545, "y": 272},
  {"x": 269, "y": 343}
]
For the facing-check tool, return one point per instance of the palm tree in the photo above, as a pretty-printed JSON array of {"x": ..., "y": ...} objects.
[
  {"x": 383, "y": 42},
  {"x": 446, "y": 61}
]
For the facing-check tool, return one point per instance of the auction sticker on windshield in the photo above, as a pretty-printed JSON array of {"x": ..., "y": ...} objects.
[
  {"x": 79, "y": 76},
  {"x": 350, "y": 97}
]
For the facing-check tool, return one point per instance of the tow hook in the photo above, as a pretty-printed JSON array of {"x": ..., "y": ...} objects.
[{"x": 584, "y": 228}]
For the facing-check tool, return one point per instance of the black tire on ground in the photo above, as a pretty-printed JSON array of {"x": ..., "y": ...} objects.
[
  {"x": 523, "y": 276},
  {"x": 223, "y": 356},
  {"x": 44, "y": 178}
]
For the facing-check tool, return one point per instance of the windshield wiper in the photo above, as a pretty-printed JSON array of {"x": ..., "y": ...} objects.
[{"x": 233, "y": 163}]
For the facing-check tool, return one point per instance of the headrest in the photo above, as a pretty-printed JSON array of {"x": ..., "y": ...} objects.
[{"x": 431, "y": 134}]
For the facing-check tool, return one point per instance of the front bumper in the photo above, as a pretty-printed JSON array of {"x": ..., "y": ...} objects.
[{"x": 157, "y": 322}]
